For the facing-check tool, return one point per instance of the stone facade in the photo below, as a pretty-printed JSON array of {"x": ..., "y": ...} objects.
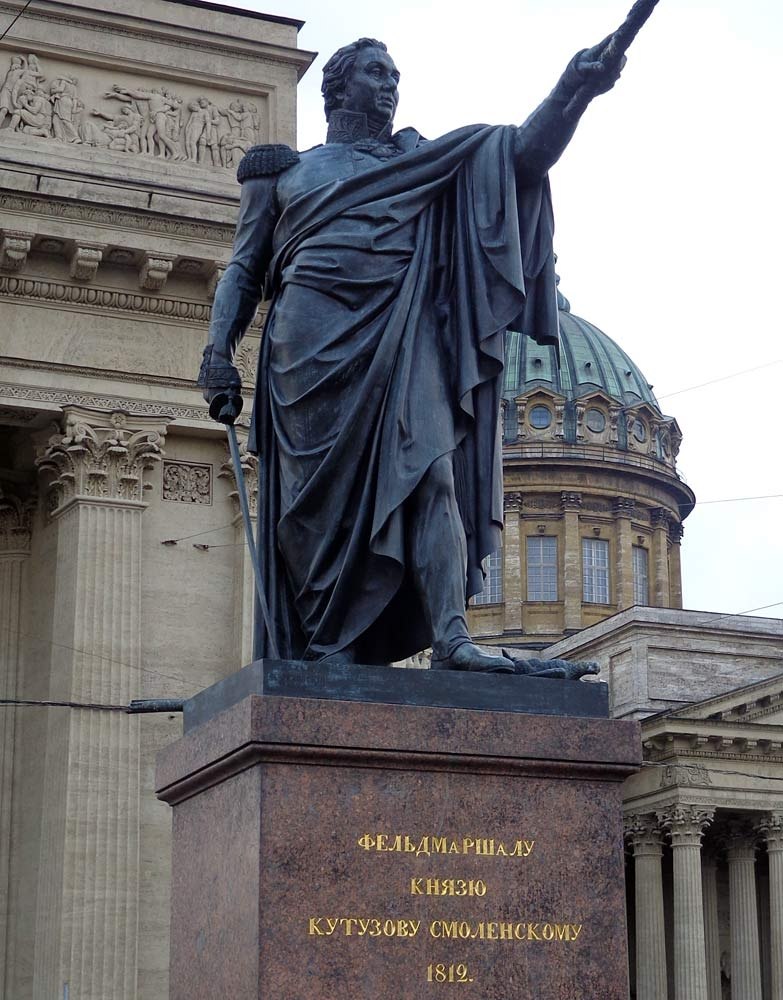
[{"x": 122, "y": 567}]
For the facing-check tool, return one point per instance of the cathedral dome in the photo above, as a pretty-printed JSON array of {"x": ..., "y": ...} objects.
[
  {"x": 592, "y": 396},
  {"x": 590, "y": 361}
]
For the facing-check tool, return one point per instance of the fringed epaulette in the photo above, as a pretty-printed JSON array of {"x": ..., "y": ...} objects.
[{"x": 261, "y": 161}]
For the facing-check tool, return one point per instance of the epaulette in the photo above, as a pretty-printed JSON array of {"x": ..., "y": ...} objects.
[{"x": 261, "y": 161}]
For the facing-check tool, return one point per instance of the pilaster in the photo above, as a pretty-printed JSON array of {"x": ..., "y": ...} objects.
[
  {"x": 676, "y": 532},
  {"x": 644, "y": 835},
  {"x": 744, "y": 921},
  {"x": 661, "y": 592},
  {"x": 685, "y": 825},
  {"x": 772, "y": 831},
  {"x": 94, "y": 475},
  {"x": 512, "y": 563},
  {"x": 624, "y": 509},
  {"x": 572, "y": 560},
  {"x": 244, "y": 584},
  {"x": 15, "y": 529}
]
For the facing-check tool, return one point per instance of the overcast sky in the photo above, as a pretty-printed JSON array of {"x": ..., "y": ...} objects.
[{"x": 668, "y": 210}]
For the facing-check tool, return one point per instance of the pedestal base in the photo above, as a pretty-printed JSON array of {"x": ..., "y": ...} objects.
[{"x": 372, "y": 851}]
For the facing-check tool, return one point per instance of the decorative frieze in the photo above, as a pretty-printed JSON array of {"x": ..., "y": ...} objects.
[
  {"x": 186, "y": 482},
  {"x": 100, "y": 457},
  {"x": 136, "y": 120},
  {"x": 14, "y": 248},
  {"x": 684, "y": 774}
]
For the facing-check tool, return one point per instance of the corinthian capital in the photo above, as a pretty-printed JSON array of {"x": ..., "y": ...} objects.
[
  {"x": 685, "y": 824},
  {"x": 643, "y": 833},
  {"x": 771, "y": 829},
  {"x": 100, "y": 456},
  {"x": 15, "y": 523}
]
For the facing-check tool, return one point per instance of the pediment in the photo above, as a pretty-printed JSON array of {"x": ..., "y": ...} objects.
[{"x": 761, "y": 702}]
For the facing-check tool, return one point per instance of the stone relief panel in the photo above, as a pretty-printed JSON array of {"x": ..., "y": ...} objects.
[
  {"x": 186, "y": 482},
  {"x": 129, "y": 117}
]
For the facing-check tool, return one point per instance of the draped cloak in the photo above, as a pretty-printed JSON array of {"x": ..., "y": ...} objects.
[{"x": 392, "y": 289}]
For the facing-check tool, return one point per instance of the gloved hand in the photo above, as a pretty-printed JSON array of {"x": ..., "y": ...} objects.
[{"x": 222, "y": 386}]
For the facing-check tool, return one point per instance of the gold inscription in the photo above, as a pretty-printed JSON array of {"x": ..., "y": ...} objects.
[
  {"x": 499, "y": 930},
  {"x": 448, "y": 973},
  {"x": 430, "y": 845},
  {"x": 448, "y": 887},
  {"x": 446, "y": 930}
]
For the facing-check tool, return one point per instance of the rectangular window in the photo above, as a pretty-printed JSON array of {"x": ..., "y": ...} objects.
[
  {"x": 541, "y": 568},
  {"x": 595, "y": 571},
  {"x": 641, "y": 576},
  {"x": 493, "y": 581}
]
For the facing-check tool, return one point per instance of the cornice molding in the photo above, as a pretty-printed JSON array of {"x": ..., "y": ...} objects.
[
  {"x": 116, "y": 218},
  {"x": 98, "y": 401}
]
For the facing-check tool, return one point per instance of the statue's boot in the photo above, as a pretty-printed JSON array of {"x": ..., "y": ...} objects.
[{"x": 469, "y": 656}]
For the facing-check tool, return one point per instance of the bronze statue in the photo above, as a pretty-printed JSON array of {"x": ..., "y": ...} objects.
[{"x": 394, "y": 267}]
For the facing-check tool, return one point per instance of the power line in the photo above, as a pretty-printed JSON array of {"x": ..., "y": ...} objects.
[
  {"x": 15, "y": 19},
  {"x": 721, "y": 378}
]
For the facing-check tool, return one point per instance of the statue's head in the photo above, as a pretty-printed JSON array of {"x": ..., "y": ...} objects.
[{"x": 362, "y": 77}]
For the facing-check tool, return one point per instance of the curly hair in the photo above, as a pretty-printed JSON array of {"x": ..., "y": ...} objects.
[{"x": 338, "y": 69}]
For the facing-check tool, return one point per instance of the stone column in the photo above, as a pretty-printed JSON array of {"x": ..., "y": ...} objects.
[
  {"x": 709, "y": 885},
  {"x": 676, "y": 532},
  {"x": 772, "y": 831},
  {"x": 660, "y": 592},
  {"x": 244, "y": 583},
  {"x": 15, "y": 527},
  {"x": 88, "y": 896},
  {"x": 624, "y": 509},
  {"x": 686, "y": 824},
  {"x": 513, "y": 597},
  {"x": 744, "y": 920},
  {"x": 572, "y": 560},
  {"x": 644, "y": 834}
]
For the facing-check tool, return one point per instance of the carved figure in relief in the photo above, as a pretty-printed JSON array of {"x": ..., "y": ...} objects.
[
  {"x": 158, "y": 104},
  {"x": 194, "y": 128},
  {"x": 210, "y": 136},
  {"x": 240, "y": 136},
  {"x": 66, "y": 109},
  {"x": 8, "y": 91},
  {"x": 123, "y": 131},
  {"x": 394, "y": 266},
  {"x": 33, "y": 114},
  {"x": 31, "y": 76}
]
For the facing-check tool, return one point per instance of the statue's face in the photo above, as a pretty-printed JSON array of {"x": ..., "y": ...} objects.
[{"x": 372, "y": 86}]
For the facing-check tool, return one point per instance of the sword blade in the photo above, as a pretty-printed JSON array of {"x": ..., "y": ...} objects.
[{"x": 233, "y": 446}]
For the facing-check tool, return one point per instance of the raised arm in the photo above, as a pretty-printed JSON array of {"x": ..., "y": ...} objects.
[{"x": 546, "y": 133}]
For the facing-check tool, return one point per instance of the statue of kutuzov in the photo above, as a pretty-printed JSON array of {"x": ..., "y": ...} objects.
[{"x": 394, "y": 267}]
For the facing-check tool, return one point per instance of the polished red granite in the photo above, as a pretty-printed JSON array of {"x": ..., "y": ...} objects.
[{"x": 328, "y": 850}]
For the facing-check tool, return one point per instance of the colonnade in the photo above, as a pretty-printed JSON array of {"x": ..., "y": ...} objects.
[{"x": 695, "y": 952}]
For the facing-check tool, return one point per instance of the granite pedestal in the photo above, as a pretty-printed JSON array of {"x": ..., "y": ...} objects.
[{"x": 334, "y": 843}]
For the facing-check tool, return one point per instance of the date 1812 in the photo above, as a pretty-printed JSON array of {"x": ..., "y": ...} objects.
[{"x": 448, "y": 974}]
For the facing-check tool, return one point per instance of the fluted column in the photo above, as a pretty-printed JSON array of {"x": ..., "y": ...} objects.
[
  {"x": 244, "y": 584},
  {"x": 15, "y": 528},
  {"x": 686, "y": 825},
  {"x": 745, "y": 952},
  {"x": 644, "y": 834},
  {"x": 709, "y": 884},
  {"x": 87, "y": 899},
  {"x": 772, "y": 831},
  {"x": 512, "y": 563},
  {"x": 624, "y": 509},
  {"x": 659, "y": 585},
  {"x": 572, "y": 560}
]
